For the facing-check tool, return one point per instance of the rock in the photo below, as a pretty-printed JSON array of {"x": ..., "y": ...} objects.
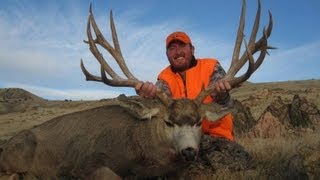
[
  {"x": 298, "y": 116},
  {"x": 242, "y": 119},
  {"x": 303, "y": 113},
  {"x": 280, "y": 118},
  {"x": 268, "y": 126},
  {"x": 272, "y": 122},
  {"x": 278, "y": 108}
]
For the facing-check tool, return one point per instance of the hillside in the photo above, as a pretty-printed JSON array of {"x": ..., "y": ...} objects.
[
  {"x": 20, "y": 109},
  {"x": 17, "y": 100}
]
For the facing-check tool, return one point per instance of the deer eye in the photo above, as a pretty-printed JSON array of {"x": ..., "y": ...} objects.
[{"x": 169, "y": 124}]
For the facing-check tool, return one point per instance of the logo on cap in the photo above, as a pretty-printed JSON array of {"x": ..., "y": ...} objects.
[{"x": 180, "y": 36}]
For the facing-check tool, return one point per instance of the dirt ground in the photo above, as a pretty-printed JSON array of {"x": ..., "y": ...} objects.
[{"x": 20, "y": 110}]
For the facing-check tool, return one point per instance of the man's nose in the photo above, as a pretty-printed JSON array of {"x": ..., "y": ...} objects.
[{"x": 178, "y": 50}]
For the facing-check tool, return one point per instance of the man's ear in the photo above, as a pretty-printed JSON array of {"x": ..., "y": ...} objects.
[{"x": 192, "y": 49}]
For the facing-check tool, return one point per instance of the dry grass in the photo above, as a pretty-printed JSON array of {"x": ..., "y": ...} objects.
[
  {"x": 295, "y": 157},
  {"x": 279, "y": 158}
]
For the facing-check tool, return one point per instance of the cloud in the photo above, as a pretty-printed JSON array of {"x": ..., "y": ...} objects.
[
  {"x": 300, "y": 53},
  {"x": 296, "y": 63},
  {"x": 25, "y": 61},
  {"x": 43, "y": 47}
]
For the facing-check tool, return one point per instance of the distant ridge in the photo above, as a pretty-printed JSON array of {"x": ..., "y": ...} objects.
[
  {"x": 12, "y": 95},
  {"x": 17, "y": 100},
  {"x": 18, "y": 94}
]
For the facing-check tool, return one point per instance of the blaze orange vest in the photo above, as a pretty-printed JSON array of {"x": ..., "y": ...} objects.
[{"x": 195, "y": 78}]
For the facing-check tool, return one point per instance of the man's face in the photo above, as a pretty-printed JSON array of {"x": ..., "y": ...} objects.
[{"x": 180, "y": 55}]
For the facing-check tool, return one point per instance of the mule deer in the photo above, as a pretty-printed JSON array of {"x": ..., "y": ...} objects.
[{"x": 134, "y": 135}]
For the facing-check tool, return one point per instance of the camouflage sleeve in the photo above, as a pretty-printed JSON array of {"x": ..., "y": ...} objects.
[
  {"x": 219, "y": 73},
  {"x": 164, "y": 86}
]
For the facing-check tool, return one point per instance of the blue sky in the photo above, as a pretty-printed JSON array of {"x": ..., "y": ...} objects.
[{"x": 41, "y": 41}]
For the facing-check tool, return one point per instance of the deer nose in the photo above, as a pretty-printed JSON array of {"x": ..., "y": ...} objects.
[{"x": 189, "y": 153}]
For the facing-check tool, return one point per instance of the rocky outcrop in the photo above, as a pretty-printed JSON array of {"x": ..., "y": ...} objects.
[
  {"x": 303, "y": 113},
  {"x": 268, "y": 126},
  {"x": 242, "y": 119},
  {"x": 280, "y": 118}
]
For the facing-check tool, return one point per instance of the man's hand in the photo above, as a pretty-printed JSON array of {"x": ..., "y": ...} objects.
[
  {"x": 222, "y": 87},
  {"x": 222, "y": 95},
  {"x": 146, "y": 89}
]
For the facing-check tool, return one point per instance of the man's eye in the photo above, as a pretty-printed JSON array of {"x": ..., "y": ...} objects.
[{"x": 171, "y": 48}]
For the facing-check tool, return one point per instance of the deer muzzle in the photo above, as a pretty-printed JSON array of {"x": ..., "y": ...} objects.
[{"x": 189, "y": 153}]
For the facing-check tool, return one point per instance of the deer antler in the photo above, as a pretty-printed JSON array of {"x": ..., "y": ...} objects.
[
  {"x": 115, "y": 79},
  {"x": 114, "y": 51},
  {"x": 251, "y": 48}
]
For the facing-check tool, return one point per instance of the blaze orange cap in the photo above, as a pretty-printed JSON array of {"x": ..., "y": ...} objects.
[{"x": 180, "y": 36}]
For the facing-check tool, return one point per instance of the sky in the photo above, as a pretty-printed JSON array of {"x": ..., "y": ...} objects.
[{"x": 41, "y": 41}]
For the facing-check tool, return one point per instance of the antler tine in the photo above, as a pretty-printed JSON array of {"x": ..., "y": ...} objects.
[
  {"x": 119, "y": 59},
  {"x": 89, "y": 76},
  {"x": 270, "y": 25},
  {"x": 263, "y": 50},
  {"x": 251, "y": 68},
  {"x": 255, "y": 27},
  {"x": 239, "y": 39}
]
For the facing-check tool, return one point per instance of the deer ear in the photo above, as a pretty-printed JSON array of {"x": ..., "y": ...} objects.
[
  {"x": 214, "y": 111},
  {"x": 137, "y": 108}
]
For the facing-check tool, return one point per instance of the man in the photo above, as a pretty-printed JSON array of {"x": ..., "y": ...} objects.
[{"x": 185, "y": 76}]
